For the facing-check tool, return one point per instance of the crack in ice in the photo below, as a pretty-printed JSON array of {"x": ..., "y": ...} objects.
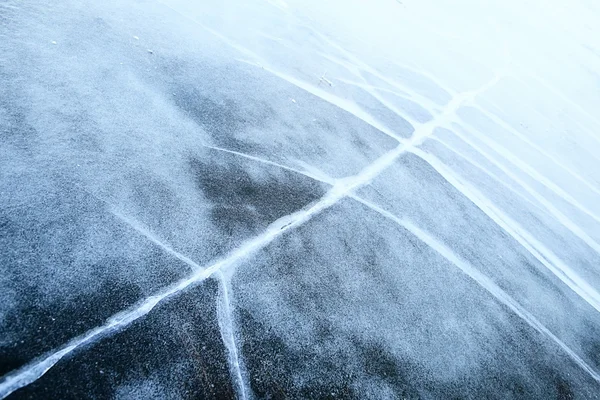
[
  {"x": 556, "y": 213},
  {"x": 483, "y": 280},
  {"x": 522, "y": 236},
  {"x": 501, "y": 123},
  {"x": 341, "y": 189},
  {"x": 272, "y": 163},
  {"x": 533, "y": 173},
  {"x": 226, "y": 326},
  {"x": 485, "y": 171},
  {"x": 150, "y": 236},
  {"x": 260, "y": 62},
  {"x": 343, "y": 104},
  {"x": 331, "y": 182},
  {"x": 356, "y": 65}
]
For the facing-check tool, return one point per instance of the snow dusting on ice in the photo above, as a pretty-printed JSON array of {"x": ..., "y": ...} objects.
[{"x": 299, "y": 199}]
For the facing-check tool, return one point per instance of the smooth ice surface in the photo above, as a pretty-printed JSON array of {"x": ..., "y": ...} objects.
[{"x": 299, "y": 199}]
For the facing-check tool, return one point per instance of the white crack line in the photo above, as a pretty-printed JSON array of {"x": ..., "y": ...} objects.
[
  {"x": 555, "y": 212},
  {"x": 427, "y": 238},
  {"x": 524, "y": 166},
  {"x": 227, "y": 328},
  {"x": 486, "y": 171},
  {"x": 484, "y": 281},
  {"x": 546, "y": 257},
  {"x": 259, "y": 62},
  {"x": 321, "y": 177},
  {"x": 340, "y": 189}
]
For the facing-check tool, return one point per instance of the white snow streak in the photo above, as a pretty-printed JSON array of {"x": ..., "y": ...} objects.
[
  {"x": 498, "y": 121},
  {"x": 226, "y": 325},
  {"x": 340, "y": 189},
  {"x": 483, "y": 281},
  {"x": 567, "y": 275},
  {"x": 555, "y": 212}
]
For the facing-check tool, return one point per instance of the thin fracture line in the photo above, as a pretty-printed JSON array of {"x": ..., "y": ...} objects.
[
  {"x": 424, "y": 101},
  {"x": 484, "y": 281},
  {"x": 268, "y": 162},
  {"x": 485, "y": 171},
  {"x": 536, "y": 248},
  {"x": 226, "y": 325},
  {"x": 395, "y": 110},
  {"x": 449, "y": 109},
  {"x": 223, "y": 309},
  {"x": 34, "y": 371},
  {"x": 30, "y": 373},
  {"x": 358, "y": 64},
  {"x": 342, "y": 104},
  {"x": 341, "y": 189},
  {"x": 150, "y": 236},
  {"x": 144, "y": 231},
  {"x": 555, "y": 212},
  {"x": 526, "y": 168},
  {"x": 339, "y": 102},
  {"x": 503, "y": 124}
]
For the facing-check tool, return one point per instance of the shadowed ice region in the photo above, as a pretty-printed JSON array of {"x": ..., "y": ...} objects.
[{"x": 174, "y": 353}]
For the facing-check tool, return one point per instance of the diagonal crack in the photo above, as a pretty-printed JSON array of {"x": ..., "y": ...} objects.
[
  {"x": 544, "y": 255},
  {"x": 321, "y": 178},
  {"x": 526, "y": 167},
  {"x": 482, "y": 280},
  {"x": 258, "y": 61},
  {"x": 486, "y": 171},
  {"x": 341, "y": 189},
  {"x": 224, "y": 309},
  {"x": 227, "y": 327},
  {"x": 554, "y": 211},
  {"x": 150, "y": 236}
]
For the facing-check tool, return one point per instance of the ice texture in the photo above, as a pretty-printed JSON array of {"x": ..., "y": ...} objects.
[{"x": 299, "y": 199}]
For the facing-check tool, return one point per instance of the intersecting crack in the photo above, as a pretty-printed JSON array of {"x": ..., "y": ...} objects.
[
  {"x": 555, "y": 212},
  {"x": 340, "y": 189},
  {"x": 457, "y": 261},
  {"x": 546, "y": 257},
  {"x": 484, "y": 281}
]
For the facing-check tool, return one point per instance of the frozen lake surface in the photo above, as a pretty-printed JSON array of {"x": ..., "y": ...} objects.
[{"x": 299, "y": 199}]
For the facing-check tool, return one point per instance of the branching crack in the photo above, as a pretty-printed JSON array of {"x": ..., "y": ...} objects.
[
  {"x": 340, "y": 189},
  {"x": 482, "y": 280}
]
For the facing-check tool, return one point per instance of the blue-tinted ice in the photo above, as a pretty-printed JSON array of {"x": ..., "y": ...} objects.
[{"x": 299, "y": 199}]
